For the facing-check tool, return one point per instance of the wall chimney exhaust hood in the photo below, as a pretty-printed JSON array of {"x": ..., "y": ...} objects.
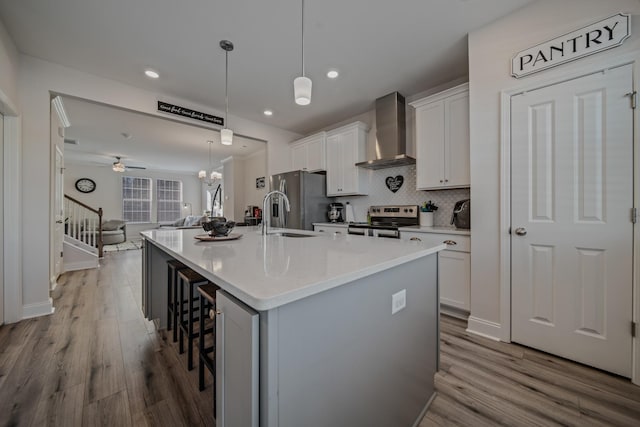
[{"x": 391, "y": 140}]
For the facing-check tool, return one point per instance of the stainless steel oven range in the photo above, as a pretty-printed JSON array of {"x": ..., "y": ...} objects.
[{"x": 386, "y": 220}]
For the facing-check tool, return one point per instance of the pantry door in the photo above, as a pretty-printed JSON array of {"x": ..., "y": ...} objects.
[{"x": 572, "y": 233}]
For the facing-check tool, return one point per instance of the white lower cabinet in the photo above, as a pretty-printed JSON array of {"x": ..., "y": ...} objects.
[
  {"x": 454, "y": 266},
  {"x": 237, "y": 363}
]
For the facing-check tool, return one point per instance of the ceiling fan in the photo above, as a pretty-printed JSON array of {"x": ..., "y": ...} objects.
[{"x": 118, "y": 166}]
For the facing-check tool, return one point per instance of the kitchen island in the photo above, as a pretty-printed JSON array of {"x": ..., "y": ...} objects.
[{"x": 305, "y": 332}]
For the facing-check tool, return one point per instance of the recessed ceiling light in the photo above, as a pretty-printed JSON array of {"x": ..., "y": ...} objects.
[
  {"x": 151, "y": 74},
  {"x": 268, "y": 113},
  {"x": 332, "y": 74}
]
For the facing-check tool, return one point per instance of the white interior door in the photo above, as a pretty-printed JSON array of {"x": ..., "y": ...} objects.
[
  {"x": 58, "y": 206},
  {"x": 572, "y": 192},
  {"x": 1, "y": 219},
  {"x": 57, "y": 238}
]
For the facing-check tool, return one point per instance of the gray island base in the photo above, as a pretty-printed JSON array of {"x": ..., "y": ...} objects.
[{"x": 305, "y": 333}]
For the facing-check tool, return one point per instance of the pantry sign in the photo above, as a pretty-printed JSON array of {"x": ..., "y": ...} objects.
[{"x": 599, "y": 36}]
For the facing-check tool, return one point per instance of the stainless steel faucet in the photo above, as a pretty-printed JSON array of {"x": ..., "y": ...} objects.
[{"x": 266, "y": 209}]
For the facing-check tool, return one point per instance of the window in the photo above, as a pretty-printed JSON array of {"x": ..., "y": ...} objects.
[
  {"x": 169, "y": 199},
  {"x": 136, "y": 199}
]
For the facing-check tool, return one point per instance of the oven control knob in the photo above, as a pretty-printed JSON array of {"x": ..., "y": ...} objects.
[
  {"x": 406, "y": 210},
  {"x": 411, "y": 210}
]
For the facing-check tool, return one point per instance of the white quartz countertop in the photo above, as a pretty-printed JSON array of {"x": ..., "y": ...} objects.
[
  {"x": 439, "y": 230},
  {"x": 332, "y": 224},
  {"x": 266, "y": 272}
]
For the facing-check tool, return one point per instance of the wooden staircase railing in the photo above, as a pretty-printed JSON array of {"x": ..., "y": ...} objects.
[{"x": 84, "y": 223}]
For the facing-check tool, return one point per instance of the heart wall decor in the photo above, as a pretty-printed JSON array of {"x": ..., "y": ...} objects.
[{"x": 394, "y": 182}]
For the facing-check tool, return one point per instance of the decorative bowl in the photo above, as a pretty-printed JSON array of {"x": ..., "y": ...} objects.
[{"x": 218, "y": 227}]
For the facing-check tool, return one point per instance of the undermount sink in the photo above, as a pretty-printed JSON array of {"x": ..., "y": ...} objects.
[{"x": 287, "y": 234}]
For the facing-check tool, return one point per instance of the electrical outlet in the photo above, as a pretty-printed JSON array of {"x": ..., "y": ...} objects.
[{"x": 398, "y": 301}]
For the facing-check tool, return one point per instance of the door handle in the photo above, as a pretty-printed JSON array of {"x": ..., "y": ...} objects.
[{"x": 521, "y": 231}]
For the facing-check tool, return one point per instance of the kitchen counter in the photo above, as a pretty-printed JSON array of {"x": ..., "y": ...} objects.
[
  {"x": 332, "y": 224},
  {"x": 311, "y": 331},
  {"x": 267, "y": 272},
  {"x": 439, "y": 230}
]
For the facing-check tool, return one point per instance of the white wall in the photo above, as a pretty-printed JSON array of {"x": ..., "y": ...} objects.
[
  {"x": 9, "y": 59},
  {"x": 490, "y": 51},
  {"x": 255, "y": 166},
  {"x": 108, "y": 193},
  {"x": 36, "y": 81},
  {"x": 10, "y": 190},
  {"x": 229, "y": 188}
]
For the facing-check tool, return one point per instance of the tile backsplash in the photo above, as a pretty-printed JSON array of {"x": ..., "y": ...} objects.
[{"x": 379, "y": 194}]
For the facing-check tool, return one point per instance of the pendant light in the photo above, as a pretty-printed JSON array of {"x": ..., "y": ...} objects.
[
  {"x": 214, "y": 176},
  {"x": 302, "y": 84},
  {"x": 226, "y": 134}
]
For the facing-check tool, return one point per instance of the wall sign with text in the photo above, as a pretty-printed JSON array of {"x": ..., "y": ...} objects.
[
  {"x": 165, "y": 107},
  {"x": 602, "y": 35}
]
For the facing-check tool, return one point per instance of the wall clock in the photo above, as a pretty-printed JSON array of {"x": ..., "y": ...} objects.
[{"x": 85, "y": 185}]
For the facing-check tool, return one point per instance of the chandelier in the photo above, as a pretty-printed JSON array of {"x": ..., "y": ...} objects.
[{"x": 213, "y": 177}]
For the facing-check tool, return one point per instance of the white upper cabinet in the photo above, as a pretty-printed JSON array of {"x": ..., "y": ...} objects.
[
  {"x": 346, "y": 146},
  {"x": 309, "y": 154},
  {"x": 442, "y": 139}
]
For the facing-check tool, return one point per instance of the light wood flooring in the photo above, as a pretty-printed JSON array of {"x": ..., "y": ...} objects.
[{"x": 96, "y": 361}]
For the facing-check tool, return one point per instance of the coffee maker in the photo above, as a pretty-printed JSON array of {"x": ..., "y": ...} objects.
[{"x": 335, "y": 212}]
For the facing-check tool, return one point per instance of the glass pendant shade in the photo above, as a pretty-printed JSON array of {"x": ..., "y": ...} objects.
[
  {"x": 226, "y": 136},
  {"x": 302, "y": 90},
  {"x": 202, "y": 174}
]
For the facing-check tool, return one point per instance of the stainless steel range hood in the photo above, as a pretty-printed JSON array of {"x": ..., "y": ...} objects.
[{"x": 391, "y": 140}]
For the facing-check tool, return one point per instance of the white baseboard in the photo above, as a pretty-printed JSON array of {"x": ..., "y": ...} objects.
[
  {"x": 38, "y": 309},
  {"x": 454, "y": 312},
  {"x": 81, "y": 265},
  {"x": 484, "y": 328}
]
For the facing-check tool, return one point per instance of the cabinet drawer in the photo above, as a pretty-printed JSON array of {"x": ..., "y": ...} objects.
[
  {"x": 329, "y": 229},
  {"x": 459, "y": 243}
]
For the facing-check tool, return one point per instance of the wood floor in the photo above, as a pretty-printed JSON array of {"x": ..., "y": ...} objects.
[{"x": 96, "y": 361}]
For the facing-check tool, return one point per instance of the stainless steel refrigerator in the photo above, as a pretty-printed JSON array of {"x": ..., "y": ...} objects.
[{"x": 307, "y": 194}]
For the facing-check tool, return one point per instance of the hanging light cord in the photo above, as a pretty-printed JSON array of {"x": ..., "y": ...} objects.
[
  {"x": 302, "y": 38},
  {"x": 226, "y": 88},
  {"x": 210, "y": 162}
]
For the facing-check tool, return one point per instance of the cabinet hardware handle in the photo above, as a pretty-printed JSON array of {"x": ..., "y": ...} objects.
[
  {"x": 446, "y": 180},
  {"x": 450, "y": 242},
  {"x": 338, "y": 232},
  {"x": 416, "y": 239},
  {"x": 441, "y": 181},
  {"x": 59, "y": 221},
  {"x": 320, "y": 231}
]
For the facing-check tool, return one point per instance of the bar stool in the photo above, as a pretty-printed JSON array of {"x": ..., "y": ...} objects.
[
  {"x": 190, "y": 280},
  {"x": 207, "y": 301},
  {"x": 173, "y": 266}
]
